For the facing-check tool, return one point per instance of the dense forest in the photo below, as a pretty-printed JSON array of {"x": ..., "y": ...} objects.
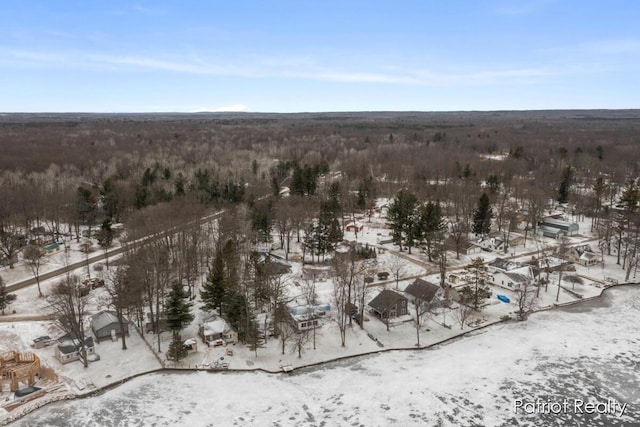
[{"x": 302, "y": 177}]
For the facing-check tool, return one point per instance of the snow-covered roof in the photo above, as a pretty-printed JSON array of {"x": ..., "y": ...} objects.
[
  {"x": 102, "y": 319},
  {"x": 214, "y": 327},
  {"x": 422, "y": 290},
  {"x": 68, "y": 345}
]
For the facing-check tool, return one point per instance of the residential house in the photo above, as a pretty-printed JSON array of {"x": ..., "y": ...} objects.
[
  {"x": 429, "y": 293},
  {"x": 515, "y": 279},
  {"x": 105, "y": 325},
  {"x": 581, "y": 254},
  {"x": 69, "y": 348},
  {"x": 501, "y": 264},
  {"x": 389, "y": 304},
  {"x": 217, "y": 332},
  {"x": 466, "y": 248},
  {"x": 305, "y": 317},
  {"x": 553, "y": 227},
  {"x": 496, "y": 241}
]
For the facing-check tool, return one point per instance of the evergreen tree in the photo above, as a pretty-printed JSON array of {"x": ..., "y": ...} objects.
[
  {"x": 493, "y": 182},
  {"x": 431, "y": 227},
  {"x": 366, "y": 192},
  {"x": 482, "y": 216},
  {"x": 5, "y": 297},
  {"x": 327, "y": 231},
  {"x": 297, "y": 182},
  {"x": 177, "y": 351},
  {"x": 180, "y": 184},
  {"x": 240, "y": 317},
  {"x": 112, "y": 200},
  {"x": 214, "y": 291},
  {"x": 565, "y": 184},
  {"x": 105, "y": 238},
  {"x": 402, "y": 215},
  {"x": 178, "y": 308},
  {"x": 262, "y": 220},
  {"x": 178, "y": 311}
]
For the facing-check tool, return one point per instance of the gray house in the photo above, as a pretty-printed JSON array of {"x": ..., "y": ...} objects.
[
  {"x": 552, "y": 227},
  {"x": 389, "y": 304},
  {"x": 429, "y": 293},
  {"x": 105, "y": 325}
]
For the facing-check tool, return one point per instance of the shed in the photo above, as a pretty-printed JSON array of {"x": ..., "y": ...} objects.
[{"x": 105, "y": 325}]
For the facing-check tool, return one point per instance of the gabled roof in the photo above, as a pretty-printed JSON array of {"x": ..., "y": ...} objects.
[
  {"x": 68, "y": 345},
  {"x": 423, "y": 290},
  {"x": 504, "y": 264},
  {"x": 104, "y": 318},
  {"x": 517, "y": 277},
  {"x": 218, "y": 326},
  {"x": 385, "y": 300}
]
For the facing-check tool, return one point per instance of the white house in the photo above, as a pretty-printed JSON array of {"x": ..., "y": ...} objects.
[
  {"x": 513, "y": 279},
  {"x": 217, "y": 332}
]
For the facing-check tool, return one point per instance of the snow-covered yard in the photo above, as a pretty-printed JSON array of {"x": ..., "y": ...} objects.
[
  {"x": 27, "y": 323},
  {"x": 585, "y": 352}
]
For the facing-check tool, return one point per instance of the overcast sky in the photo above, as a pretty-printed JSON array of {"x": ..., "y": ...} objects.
[{"x": 311, "y": 55}]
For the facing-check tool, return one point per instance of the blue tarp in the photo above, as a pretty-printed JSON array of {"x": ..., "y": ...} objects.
[{"x": 503, "y": 298}]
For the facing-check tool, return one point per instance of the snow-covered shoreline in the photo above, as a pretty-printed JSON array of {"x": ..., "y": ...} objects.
[
  {"x": 318, "y": 365},
  {"x": 471, "y": 381}
]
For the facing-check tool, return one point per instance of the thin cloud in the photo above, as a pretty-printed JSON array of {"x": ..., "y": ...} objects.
[{"x": 298, "y": 69}]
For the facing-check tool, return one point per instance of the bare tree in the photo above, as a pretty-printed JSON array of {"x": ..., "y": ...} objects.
[
  {"x": 34, "y": 257},
  {"x": 285, "y": 330},
  {"x": 299, "y": 340},
  {"x": 462, "y": 313},
  {"x": 421, "y": 313},
  {"x": 340, "y": 300},
  {"x": 459, "y": 236},
  {"x": 349, "y": 271},
  {"x": 361, "y": 287},
  {"x": 309, "y": 291},
  {"x": 85, "y": 247},
  {"x": 398, "y": 268},
  {"x": 69, "y": 305},
  {"x": 527, "y": 299},
  {"x": 10, "y": 242},
  {"x": 124, "y": 293}
]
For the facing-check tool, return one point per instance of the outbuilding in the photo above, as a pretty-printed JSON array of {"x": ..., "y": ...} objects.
[{"x": 105, "y": 325}]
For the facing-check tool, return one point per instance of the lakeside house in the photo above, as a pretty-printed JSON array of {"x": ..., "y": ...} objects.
[
  {"x": 426, "y": 292},
  {"x": 217, "y": 332},
  {"x": 389, "y": 304},
  {"x": 69, "y": 348}
]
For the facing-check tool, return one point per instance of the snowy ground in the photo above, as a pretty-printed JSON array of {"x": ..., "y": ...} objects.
[
  {"x": 16, "y": 332},
  {"x": 585, "y": 352}
]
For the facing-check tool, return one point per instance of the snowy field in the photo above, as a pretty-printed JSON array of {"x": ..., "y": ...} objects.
[{"x": 586, "y": 352}]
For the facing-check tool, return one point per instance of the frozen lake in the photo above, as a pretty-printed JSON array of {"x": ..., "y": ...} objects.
[{"x": 589, "y": 353}]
